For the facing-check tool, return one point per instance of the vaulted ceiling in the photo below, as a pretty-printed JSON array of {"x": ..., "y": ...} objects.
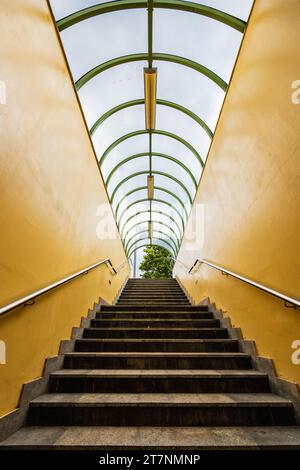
[{"x": 151, "y": 77}]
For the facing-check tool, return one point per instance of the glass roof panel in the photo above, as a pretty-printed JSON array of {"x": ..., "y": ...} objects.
[
  {"x": 97, "y": 39},
  {"x": 175, "y": 121},
  {"x": 166, "y": 145},
  {"x": 137, "y": 144},
  {"x": 239, "y": 8},
  {"x": 111, "y": 88},
  {"x": 204, "y": 40},
  {"x": 128, "y": 233},
  {"x": 63, "y": 8},
  {"x": 141, "y": 194},
  {"x": 134, "y": 182},
  {"x": 174, "y": 187},
  {"x": 158, "y": 217},
  {"x": 191, "y": 89},
  {"x": 131, "y": 211},
  {"x": 174, "y": 169},
  {"x": 121, "y": 123},
  {"x": 188, "y": 104},
  {"x": 133, "y": 166}
]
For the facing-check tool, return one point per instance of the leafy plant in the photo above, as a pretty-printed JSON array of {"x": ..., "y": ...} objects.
[{"x": 157, "y": 263}]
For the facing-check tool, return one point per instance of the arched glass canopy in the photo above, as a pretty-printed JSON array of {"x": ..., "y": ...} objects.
[{"x": 151, "y": 77}]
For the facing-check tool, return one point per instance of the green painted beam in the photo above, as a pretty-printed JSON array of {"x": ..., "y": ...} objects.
[
  {"x": 130, "y": 135},
  {"x": 114, "y": 110},
  {"x": 161, "y": 201},
  {"x": 191, "y": 7},
  {"x": 174, "y": 252},
  {"x": 146, "y": 154},
  {"x": 160, "y": 223},
  {"x": 138, "y": 102},
  {"x": 138, "y": 173},
  {"x": 144, "y": 57},
  {"x": 153, "y": 212},
  {"x": 140, "y": 188},
  {"x": 128, "y": 246}
]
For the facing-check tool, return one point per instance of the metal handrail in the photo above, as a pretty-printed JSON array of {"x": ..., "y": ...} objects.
[
  {"x": 33, "y": 295},
  {"x": 288, "y": 300}
]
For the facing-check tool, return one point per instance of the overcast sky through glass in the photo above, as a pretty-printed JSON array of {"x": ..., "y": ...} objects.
[{"x": 200, "y": 39}]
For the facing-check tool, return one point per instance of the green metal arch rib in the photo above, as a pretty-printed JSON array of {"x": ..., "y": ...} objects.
[
  {"x": 170, "y": 104},
  {"x": 140, "y": 188},
  {"x": 144, "y": 57},
  {"x": 163, "y": 224},
  {"x": 127, "y": 246},
  {"x": 147, "y": 244},
  {"x": 155, "y": 200},
  {"x": 130, "y": 135},
  {"x": 146, "y": 154},
  {"x": 138, "y": 173},
  {"x": 152, "y": 212},
  {"x": 174, "y": 252},
  {"x": 191, "y": 7}
]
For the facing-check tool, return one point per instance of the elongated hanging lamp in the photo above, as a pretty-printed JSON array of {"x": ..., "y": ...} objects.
[
  {"x": 150, "y": 79},
  {"x": 150, "y": 186}
]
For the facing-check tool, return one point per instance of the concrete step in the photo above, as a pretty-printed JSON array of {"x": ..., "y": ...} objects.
[
  {"x": 156, "y": 308},
  {"x": 153, "y": 315},
  {"x": 151, "y": 303},
  {"x": 197, "y": 438},
  {"x": 155, "y": 323},
  {"x": 154, "y": 332},
  {"x": 152, "y": 297},
  {"x": 152, "y": 288},
  {"x": 155, "y": 345},
  {"x": 158, "y": 381},
  {"x": 151, "y": 360},
  {"x": 160, "y": 409},
  {"x": 148, "y": 293}
]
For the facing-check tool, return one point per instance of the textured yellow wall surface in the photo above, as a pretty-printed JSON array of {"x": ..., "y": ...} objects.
[
  {"x": 50, "y": 191},
  {"x": 250, "y": 189}
]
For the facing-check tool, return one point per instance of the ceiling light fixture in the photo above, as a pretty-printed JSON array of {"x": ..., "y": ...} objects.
[
  {"x": 150, "y": 79},
  {"x": 150, "y": 186}
]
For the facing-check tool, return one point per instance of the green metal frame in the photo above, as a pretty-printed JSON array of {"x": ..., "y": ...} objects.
[
  {"x": 191, "y": 7},
  {"x": 181, "y": 5},
  {"x": 170, "y": 104},
  {"x": 148, "y": 244},
  {"x": 161, "y": 173},
  {"x": 141, "y": 188},
  {"x": 161, "y": 201},
  {"x": 144, "y": 57},
  {"x": 174, "y": 252},
  {"x": 146, "y": 154},
  {"x": 164, "y": 224},
  {"x": 130, "y": 135},
  {"x": 152, "y": 212},
  {"x": 176, "y": 246}
]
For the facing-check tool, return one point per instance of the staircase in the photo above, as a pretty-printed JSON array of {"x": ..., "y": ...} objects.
[{"x": 153, "y": 371}]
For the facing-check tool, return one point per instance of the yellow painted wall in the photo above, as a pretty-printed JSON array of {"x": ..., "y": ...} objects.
[
  {"x": 250, "y": 189},
  {"x": 50, "y": 191}
]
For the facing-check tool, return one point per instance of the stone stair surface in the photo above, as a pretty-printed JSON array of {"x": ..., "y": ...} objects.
[{"x": 155, "y": 372}]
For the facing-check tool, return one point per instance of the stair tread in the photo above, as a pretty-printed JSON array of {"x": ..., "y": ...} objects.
[
  {"x": 149, "y": 437},
  {"x": 215, "y": 373},
  {"x": 156, "y": 320},
  {"x": 156, "y": 354},
  {"x": 162, "y": 399},
  {"x": 154, "y": 329},
  {"x": 157, "y": 340}
]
